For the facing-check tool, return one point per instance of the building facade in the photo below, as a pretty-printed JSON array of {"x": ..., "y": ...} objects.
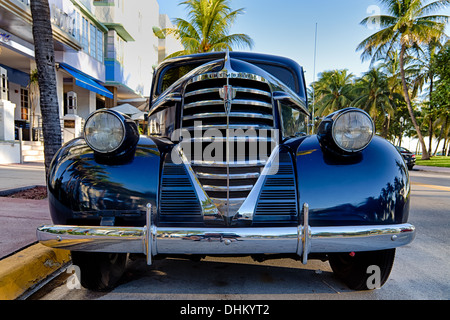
[{"x": 105, "y": 53}]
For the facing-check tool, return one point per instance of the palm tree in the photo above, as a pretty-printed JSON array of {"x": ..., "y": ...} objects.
[
  {"x": 373, "y": 96},
  {"x": 407, "y": 27},
  {"x": 207, "y": 28},
  {"x": 45, "y": 62},
  {"x": 333, "y": 91},
  {"x": 426, "y": 74}
]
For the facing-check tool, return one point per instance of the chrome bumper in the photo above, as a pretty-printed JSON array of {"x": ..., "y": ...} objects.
[{"x": 301, "y": 240}]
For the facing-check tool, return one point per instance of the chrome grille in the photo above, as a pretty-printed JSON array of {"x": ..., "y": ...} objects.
[{"x": 228, "y": 180}]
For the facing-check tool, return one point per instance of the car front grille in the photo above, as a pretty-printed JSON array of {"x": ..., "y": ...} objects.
[{"x": 228, "y": 176}]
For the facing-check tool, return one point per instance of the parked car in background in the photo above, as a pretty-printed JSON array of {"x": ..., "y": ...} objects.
[
  {"x": 228, "y": 167},
  {"x": 408, "y": 156}
]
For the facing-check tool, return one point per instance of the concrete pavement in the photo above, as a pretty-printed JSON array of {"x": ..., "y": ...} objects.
[
  {"x": 432, "y": 169},
  {"x": 23, "y": 262}
]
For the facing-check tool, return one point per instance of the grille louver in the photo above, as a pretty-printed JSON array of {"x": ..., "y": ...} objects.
[
  {"x": 178, "y": 203},
  {"x": 277, "y": 201}
]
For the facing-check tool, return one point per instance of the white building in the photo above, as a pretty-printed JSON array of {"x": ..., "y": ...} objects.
[{"x": 105, "y": 52}]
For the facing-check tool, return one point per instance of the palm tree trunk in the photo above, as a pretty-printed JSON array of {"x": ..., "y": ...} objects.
[
  {"x": 431, "y": 129},
  {"x": 45, "y": 62},
  {"x": 425, "y": 155}
]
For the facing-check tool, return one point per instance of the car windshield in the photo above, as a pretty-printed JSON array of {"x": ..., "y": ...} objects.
[{"x": 173, "y": 73}]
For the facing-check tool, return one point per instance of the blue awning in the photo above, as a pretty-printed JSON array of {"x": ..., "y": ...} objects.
[{"x": 85, "y": 82}]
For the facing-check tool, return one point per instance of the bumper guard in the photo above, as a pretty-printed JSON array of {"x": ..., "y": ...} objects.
[{"x": 300, "y": 240}]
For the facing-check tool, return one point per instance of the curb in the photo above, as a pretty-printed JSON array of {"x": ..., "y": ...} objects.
[
  {"x": 27, "y": 268},
  {"x": 8, "y": 192}
]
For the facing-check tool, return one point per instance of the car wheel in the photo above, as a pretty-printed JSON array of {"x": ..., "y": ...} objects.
[
  {"x": 363, "y": 270},
  {"x": 99, "y": 271},
  {"x": 410, "y": 167}
]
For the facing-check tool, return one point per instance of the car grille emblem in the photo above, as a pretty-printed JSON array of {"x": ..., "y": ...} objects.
[{"x": 227, "y": 93}]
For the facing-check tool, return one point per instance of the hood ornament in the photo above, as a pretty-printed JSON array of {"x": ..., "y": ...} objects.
[{"x": 227, "y": 93}]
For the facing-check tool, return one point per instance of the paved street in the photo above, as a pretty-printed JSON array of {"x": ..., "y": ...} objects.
[
  {"x": 14, "y": 176},
  {"x": 421, "y": 269}
]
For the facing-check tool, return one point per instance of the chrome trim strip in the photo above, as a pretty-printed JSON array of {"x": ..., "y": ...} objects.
[
  {"x": 220, "y": 102},
  {"x": 231, "y": 126},
  {"x": 252, "y": 103},
  {"x": 254, "y": 91},
  {"x": 230, "y": 188},
  {"x": 222, "y": 164},
  {"x": 216, "y": 90},
  {"x": 202, "y": 175},
  {"x": 231, "y": 241},
  {"x": 226, "y": 74},
  {"x": 232, "y": 115},
  {"x": 232, "y": 139},
  {"x": 149, "y": 234},
  {"x": 203, "y": 103},
  {"x": 306, "y": 234},
  {"x": 201, "y": 91}
]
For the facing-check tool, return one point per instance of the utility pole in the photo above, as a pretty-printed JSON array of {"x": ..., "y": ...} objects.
[{"x": 314, "y": 80}]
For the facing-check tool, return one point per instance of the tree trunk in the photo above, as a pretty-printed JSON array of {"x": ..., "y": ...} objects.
[
  {"x": 430, "y": 134},
  {"x": 425, "y": 155},
  {"x": 45, "y": 62},
  {"x": 441, "y": 134},
  {"x": 431, "y": 129}
]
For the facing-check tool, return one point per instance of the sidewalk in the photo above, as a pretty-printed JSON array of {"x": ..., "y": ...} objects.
[
  {"x": 23, "y": 262},
  {"x": 432, "y": 169}
]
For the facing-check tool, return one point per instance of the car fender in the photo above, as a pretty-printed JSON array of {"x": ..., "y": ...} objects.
[
  {"x": 83, "y": 186},
  {"x": 369, "y": 188}
]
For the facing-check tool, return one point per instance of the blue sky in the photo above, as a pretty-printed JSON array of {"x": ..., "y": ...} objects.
[{"x": 287, "y": 28}]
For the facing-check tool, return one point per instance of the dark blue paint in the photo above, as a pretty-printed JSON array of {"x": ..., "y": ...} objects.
[
  {"x": 370, "y": 188},
  {"x": 82, "y": 188}
]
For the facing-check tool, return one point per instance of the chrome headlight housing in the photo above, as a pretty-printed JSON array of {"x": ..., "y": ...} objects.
[
  {"x": 347, "y": 131},
  {"x": 108, "y": 132}
]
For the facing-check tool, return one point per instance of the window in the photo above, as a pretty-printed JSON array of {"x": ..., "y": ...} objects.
[
  {"x": 99, "y": 45},
  {"x": 24, "y": 104},
  {"x": 293, "y": 122},
  {"x": 77, "y": 27},
  {"x": 85, "y": 35},
  {"x": 93, "y": 41}
]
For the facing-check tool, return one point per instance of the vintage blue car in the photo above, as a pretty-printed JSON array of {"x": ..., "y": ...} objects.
[{"x": 228, "y": 166}]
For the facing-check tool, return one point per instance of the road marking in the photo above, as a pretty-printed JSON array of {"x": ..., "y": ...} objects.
[{"x": 431, "y": 186}]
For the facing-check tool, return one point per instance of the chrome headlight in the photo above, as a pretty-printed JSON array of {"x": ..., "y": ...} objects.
[
  {"x": 108, "y": 132},
  {"x": 350, "y": 130}
]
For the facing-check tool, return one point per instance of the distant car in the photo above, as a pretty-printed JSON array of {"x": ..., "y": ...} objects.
[
  {"x": 410, "y": 158},
  {"x": 228, "y": 167}
]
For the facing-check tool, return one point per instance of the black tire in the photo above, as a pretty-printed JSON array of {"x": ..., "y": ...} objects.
[
  {"x": 356, "y": 270},
  {"x": 99, "y": 271}
]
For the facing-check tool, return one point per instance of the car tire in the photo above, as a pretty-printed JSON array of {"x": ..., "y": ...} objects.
[
  {"x": 363, "y": 270},
  {"x": 99, "y": 271},
  {"x": 410, "y": 167}
]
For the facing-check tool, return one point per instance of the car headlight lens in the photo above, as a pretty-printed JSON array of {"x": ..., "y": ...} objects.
[
  {"x": 104, "y": 132},
  {"x": 353, "y": 130}
]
